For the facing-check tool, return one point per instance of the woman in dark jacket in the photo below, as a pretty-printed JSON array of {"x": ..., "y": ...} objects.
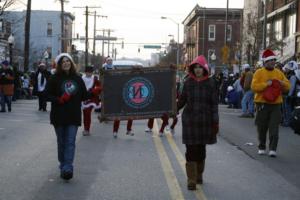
[
  {"x": 200, "y": 119},
  {"x": 66, "y": 90}
]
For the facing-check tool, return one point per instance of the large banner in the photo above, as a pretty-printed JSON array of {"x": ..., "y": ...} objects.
[{"x": 138, "y": 93}]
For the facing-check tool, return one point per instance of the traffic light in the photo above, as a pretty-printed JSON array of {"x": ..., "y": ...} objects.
[{"x": 139, "y": 50}]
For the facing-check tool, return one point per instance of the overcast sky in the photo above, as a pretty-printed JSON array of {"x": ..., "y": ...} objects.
[{"x": 137, "y": 21}]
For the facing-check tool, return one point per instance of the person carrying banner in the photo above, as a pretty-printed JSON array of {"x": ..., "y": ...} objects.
[{"x": 92, "y": 85}]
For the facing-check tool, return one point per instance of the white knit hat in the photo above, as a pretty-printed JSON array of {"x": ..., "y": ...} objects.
[{"x": 60, "y": 56}]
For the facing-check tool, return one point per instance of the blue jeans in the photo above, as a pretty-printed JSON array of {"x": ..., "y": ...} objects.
[
  {"x": 287, "y": 110},
  {"x": 66, "y": 137},
  {"x": 5, "y": 100},
  {"x": 248, "y": 102}
]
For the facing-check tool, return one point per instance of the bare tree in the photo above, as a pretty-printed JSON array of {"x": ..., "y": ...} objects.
[
  {"x": 253, "y": 38},
  {"x": 6, "y": 4}
]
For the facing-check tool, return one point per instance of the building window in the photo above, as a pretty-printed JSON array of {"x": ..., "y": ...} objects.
[
  {"x": 49, "y": 29},
  {"x": 291, "y": 25},
  {"x": 1, "y": 25},
  {"x": 278, "y": 29},
  {"x": 212, "y": 32},
  {"x": 229, "y": 32}
]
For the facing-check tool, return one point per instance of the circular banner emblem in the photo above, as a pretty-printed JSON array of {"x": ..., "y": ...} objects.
[
  {"x": 138, "y": 92},
  {"x": 70, "y": 87}
]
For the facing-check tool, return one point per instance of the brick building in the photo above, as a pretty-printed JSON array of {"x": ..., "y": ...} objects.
[
  {"x": 204, "y": 33},
  {"x": 283, "y": 22}
]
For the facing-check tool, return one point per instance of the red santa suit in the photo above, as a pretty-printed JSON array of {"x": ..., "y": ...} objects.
[{"x": 93, "y": 85}]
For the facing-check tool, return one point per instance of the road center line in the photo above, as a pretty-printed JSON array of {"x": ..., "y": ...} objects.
[
  {"x": 172, "y": 182},
  {"x": 181, "y": 160}
]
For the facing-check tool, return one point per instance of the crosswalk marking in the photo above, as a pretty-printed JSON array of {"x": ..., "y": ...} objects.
[{"x": 172, "y": 182}]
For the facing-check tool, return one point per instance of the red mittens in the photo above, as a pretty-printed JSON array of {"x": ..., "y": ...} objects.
[
  {"x": 96, "y": 91},
  {"x": 64, "y": 98},
  {"x": 215, "y": 128}
]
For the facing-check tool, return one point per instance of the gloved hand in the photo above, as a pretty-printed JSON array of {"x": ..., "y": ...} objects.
[
  {"x": 64, "y": 98},
  {"x": 96, "y": 91},
  {"x": 215, "y": 128}
]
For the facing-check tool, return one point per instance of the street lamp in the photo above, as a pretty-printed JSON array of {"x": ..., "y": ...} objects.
[
  {"x": 11, "y": 41},
  {"x": 177, "y": 56}
]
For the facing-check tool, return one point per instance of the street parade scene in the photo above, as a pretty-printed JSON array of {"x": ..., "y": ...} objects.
[{"x": 149, "y": 100}]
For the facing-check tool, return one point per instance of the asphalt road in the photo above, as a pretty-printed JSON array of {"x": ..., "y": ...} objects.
[{"x": 143, "y": 166}]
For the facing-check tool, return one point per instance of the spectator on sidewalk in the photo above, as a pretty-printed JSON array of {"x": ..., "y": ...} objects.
[
  {"x": 200, "y": 118},
  {"x": 6, "y": 86},
  {"x": 268, "y": 84},
  {"x": 40, "y": 81},
  {"x": 66, "y": 90},
  {"x": 248, "y": 98},
  {"x": 290, "y": 97}
]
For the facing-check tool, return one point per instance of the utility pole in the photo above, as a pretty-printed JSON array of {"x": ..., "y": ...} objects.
[
  {"x": 86, "y": 57},
  {"x": 86, "y": 62},
  {"x": 226, "y": 22},
  {"x": 108, "y": 43},
  {"x": 62, "y": 26},
  {"x": 95, "y": 30},
  {"x": 265, "y": 25},
  {"x": 103, "y": 43},
  {"x": 27, "y": 36}
]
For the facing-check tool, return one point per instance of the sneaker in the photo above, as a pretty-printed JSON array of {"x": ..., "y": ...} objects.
[
  {"x": 244, "y": 115},
  {"x": 115, "y": 134},
  {"x": 261, "y": 152},
  {"x": 160, "y": 134},
  {"x": 272, "y": 154},
  {"x": 167, "y": 128},
  {"x": 130, "y": 133},
  {"x": 85, "y": 133},
  {"x": 66, "y": 175},
  {"x": 172, "y": 131},
  {"x": 148, "y": 130}
]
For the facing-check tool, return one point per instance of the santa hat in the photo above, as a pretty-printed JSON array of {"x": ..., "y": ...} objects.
[
  {"x": 268, "y": 55},
  {"x": 60, "y": 56}
]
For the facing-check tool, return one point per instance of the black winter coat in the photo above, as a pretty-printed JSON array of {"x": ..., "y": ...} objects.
[
  {"x": 68, "y": 113},
  {"x": 200, "y": 112}
]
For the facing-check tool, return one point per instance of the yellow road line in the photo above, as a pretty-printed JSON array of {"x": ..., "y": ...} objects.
[
  {"x": 172, "y": 182},
  {"x": 180, "y": 158}
]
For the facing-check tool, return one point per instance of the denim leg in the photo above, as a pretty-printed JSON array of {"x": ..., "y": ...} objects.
[
  {"x": 69, "y": 147},
  {"x": 60, "y": 145},
  {"x": 244, "y": 103},
  {"x": 251, "y": 102}
]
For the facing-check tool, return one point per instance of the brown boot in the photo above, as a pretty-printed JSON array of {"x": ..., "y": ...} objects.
[
  {"x": 191, "y": 172},
  {"x": 200, "y": 170}
]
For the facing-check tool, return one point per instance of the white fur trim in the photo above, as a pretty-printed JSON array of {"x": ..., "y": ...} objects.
[
  {"x": 269, "y": 58},
  {"x": 63, "y": 55},
  {"x": 88, "y": 81},
  {"x": 94, "y": 105}
]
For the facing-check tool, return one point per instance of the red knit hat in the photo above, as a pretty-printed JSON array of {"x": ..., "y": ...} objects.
[{"x": 268, "y": 55}]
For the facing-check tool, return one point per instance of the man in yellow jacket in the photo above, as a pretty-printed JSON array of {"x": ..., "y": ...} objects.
[{"x": 268, "y": 100}]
